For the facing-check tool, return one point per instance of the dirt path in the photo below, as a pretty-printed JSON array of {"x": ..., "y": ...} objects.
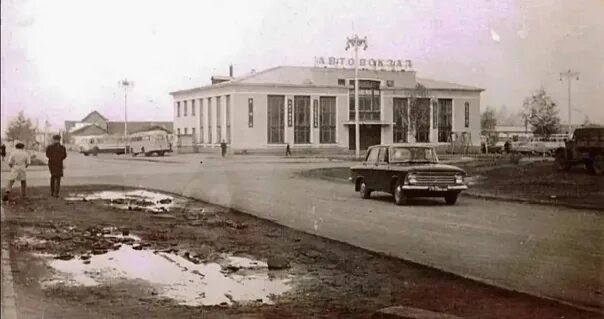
[{"x": 313, "y": 277}]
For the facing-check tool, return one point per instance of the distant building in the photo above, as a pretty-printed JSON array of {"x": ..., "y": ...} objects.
[
  {"x": 95, "y": 124},
  {"x": 313, "y": 107}
]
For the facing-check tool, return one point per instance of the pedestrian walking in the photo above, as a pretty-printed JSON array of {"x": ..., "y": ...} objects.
[
  {"x": 3, "y": 150},
  {"x": 18, "y": 161},
  {"x": 288, "y": 151},
  {"x": 56, "y": 154},
  {"x": 223, "y": 148}
]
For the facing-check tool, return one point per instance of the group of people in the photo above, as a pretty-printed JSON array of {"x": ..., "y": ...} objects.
[{"x": 19, "y": 160}]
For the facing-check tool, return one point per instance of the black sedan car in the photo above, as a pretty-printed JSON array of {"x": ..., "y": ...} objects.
[{"x": 406, "y": 171}]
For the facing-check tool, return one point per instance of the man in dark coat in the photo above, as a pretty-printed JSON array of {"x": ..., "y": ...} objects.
[
  {"x": 223, "y": 148},
  {"x": 56, "y": 153}
]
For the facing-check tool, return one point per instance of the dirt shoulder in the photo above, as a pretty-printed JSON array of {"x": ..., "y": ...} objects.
[
  {"x": 535, "y": 182},
  {"x": 326, "y": 279}
]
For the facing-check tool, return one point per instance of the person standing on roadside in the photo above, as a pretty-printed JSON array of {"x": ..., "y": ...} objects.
[
  {"x": 56, "y": 154},
  {"x": 288, "y": 151},
  {"x": 18, "y": 161},
  {"x": 223, "y": 148},
  {"x": 3, "y": 149}
]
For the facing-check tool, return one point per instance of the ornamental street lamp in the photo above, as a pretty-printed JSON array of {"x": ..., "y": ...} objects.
[
  {"x": 569, "y": 75},
  {"x": 126, "y": 85},
  {"x": 356, "y": 42}
]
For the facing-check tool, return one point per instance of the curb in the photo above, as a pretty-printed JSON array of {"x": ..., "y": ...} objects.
[
  {"x": 530, "y": 201},
  {"x": 9, "y": 311},
  {"x": 401, "y": 312}
]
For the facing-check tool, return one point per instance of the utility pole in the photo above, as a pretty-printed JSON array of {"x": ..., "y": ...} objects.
[
  {"x": 569, "y": 75},
  {"x": 356, "y": 42},
  {"x": 126, "y": 85}
]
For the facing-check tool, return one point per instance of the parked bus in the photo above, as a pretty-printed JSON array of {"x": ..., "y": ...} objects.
[
  {"x": 150, "y": 142},
  {"x": 108, "y": 144}
]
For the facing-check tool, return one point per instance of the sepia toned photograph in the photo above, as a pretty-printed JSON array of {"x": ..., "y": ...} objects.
[{"x": 416, "y": 159}]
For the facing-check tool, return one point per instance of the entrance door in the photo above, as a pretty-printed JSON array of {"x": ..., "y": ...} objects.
[{"x": 370, "y": 135}]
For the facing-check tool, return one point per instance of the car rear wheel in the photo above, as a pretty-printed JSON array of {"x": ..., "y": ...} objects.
[
  {"x": 597, "y": 164},
  {"x": 399, "y": 195},
  {"x": 562, "y": 163},
  {"x": 451, "y": 198},
  {"x": 364, "y": 191}
]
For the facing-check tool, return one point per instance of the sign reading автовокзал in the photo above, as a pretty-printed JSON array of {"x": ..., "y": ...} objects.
[{"x": 376, "y": 64}]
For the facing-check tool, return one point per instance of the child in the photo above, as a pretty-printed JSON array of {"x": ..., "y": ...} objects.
[{"x": 18, "y": 161}]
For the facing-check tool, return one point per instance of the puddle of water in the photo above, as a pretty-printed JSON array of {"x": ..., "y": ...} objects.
[
  {"x": 174, "y": 276},
  {"x": 135, "y": 199}
]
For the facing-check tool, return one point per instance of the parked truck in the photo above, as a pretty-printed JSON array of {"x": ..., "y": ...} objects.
[{"x": 586, "y": 146}]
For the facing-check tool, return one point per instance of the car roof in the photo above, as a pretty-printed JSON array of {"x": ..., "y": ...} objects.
[{"x": 416, "y": 145}]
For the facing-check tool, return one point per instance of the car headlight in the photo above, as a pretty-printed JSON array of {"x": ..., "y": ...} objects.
[
  {"x": 411, "y": 178},
  {"x": 458, "y": 178}
]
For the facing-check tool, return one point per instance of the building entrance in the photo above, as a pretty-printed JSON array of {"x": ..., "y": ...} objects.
[{"x": 369, "y": 134}]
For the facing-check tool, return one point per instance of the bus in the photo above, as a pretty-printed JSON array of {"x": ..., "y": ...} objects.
[
  {"x": 150, "y": 142},
  {"x": 108, "y": 144}
]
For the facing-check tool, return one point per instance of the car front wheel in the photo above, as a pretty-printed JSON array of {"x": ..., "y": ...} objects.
[
  {"x": 364, "y": 190},
  {"x": 451, "y": 198},
  {"x": 597, "y": 164},
  {"x": 399, "y": 196}
]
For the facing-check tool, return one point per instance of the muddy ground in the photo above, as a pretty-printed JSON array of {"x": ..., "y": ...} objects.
[
  {"x": 308, "y": 276},
  {"x": 532, "y": 181}
]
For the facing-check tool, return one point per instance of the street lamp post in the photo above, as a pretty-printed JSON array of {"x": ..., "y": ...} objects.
[
  {"x": 569, "y": 75},
  {"x": 126, "y": 85},
  {"x": 356, "y": 42}
]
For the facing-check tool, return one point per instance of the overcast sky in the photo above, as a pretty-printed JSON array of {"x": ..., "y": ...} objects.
[{"x": 62, "y": 59}]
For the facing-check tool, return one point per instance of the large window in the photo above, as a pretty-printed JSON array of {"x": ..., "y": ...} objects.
[
  {"x": 400, "y": 117},
  {"x": 420, "y": 113},
  {"x": 276, "y": 119},
  {"x": 201, "y": 118},
  {"x": 218, "y": 120},
  {"x": 445, "y": 114},
  {"x": 192, "y": 107},
  {"x": 185, "y": 108},
  {"x": 301, "y": 119},
  {"x": 209, "y": 120},
  {"x": 369, "y": 101},
  {"x": 250, "y": 112},
  {"x": 178, "y": 109},
  {"x": 228, "y": 118},
  {"x": 467, "y": 114},
  {"x": 327, "y": 119}
]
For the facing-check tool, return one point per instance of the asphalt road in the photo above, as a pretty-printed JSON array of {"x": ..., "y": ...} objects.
[{"x": 548, "y": 251}]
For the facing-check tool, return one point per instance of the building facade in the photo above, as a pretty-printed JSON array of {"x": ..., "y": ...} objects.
[{"x": 310, "y": 107}]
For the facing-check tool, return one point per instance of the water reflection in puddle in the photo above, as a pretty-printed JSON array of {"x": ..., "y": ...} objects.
[
  {"x": 135, "y": 199},
  {"x": 175, "y": 277}
]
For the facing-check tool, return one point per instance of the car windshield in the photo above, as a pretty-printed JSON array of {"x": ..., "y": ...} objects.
[{"x": 412, "y": 155}]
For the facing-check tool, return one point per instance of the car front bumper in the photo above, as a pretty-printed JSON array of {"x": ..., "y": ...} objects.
[{"x": 431, "y": 188}]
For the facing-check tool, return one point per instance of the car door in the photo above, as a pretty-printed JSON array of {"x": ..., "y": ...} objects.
[
  {"x": 370, "y": 167},
  {"x": 382, "y": 171}
]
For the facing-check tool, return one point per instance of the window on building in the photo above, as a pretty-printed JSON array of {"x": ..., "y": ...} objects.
[
  {"x": 301, "y": 119},
  {"x": 185, "y": 108},
  {"x": 390, "y": 83},
  {"x": 445, "y": 115},
  {"x": 186, "y": 131},
  {"x": 192, "y": 107},
  {"x": 201, "y": 118},
  {"x": 218, "y": 119},
  {"x": 228, "y": 118},
  {"x": 209, "y": 120},
  {"x": 369, "y": 101},
  {"x": 250, "y": 112},
  {"x": 420, "y": 112},
  {"x": 193, "y": 134},
  {"x": 178, "y": 131},
  {"x": 400, "y": 118},
  {"x": 434, "y": 114},
  {"x": 276, "y": 119},
  {"x": 467, "y": 114},
  {"x": 327, "y": 120},
  {"x": 178, "y": 109},
  {"x": 341, "y": 82}
]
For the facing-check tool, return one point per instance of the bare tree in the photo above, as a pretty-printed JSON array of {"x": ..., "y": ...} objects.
[
  {"x": 418, "y": 111},
  {"x": 488, "y": 122}
]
